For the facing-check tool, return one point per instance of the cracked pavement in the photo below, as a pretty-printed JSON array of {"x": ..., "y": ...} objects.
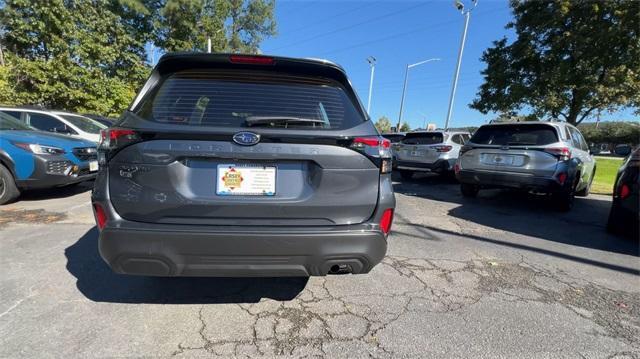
[{"x": 502, "y": 275}]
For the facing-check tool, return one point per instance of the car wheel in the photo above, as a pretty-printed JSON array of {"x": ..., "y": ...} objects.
[
  {"x": 8, "y": 189},
  {"x": 406, "y": 174},
  {"x": 585, "y": 191},
  {"x": 469, "y": 190},
  {"x": 564, "y": 200}
]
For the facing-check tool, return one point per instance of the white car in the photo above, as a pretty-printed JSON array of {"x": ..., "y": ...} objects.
[{"x": 57, "y": 121}]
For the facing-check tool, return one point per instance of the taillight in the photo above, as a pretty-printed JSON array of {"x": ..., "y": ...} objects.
[
  {"x": 251, "y": 60},
  {"x": 376, "y": 147},
  {"x": 111, "y": 138},
  {"x": 624, "y": 191},
  {"x": 386, "y": 220},
  {"x": 456, "y": 168},
  {"x": 563, "y": 153},
  {"x": 443, "y": 148},
  {"x": 101, "y": 215},
  {"x": 562, "y": 178}
]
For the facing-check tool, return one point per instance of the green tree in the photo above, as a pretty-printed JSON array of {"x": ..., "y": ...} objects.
[
  {"x": 233, "y": 25},
  {"x": 405, "y": 127},
  {"x": 383, "y": 124},
  {"x": 82, "y": 55},
  {"x": 569, "y": 59}
]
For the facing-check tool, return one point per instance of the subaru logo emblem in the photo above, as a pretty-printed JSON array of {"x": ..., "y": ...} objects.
[{"x": 246, "y": 138}]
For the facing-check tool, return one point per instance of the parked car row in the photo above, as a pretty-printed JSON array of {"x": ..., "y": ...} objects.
[{"x": 41, "y": 149}]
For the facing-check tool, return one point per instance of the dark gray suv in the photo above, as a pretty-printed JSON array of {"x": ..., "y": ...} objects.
[{"x": 237, "y": 165}]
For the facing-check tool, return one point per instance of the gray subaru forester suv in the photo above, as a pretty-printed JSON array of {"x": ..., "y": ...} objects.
[
  {"x": 238, "y": 165},
  {"x": 541, "y": 157}
]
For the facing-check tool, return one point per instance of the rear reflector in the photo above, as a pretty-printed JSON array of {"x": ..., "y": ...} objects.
[
  {"x": 562, "y": 178},
  {"x": 386, "y": 220},
  {"x": 101, "y": 215},
  {"x": 624, "y": 191},
  {"x": 251, "y": 60}
]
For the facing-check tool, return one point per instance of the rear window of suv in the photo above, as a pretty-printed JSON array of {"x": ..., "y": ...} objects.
[
  {"x": 515, "y": 135},
  {"x": 423, "y": 138},
  {"x": 233, "y": 99}
]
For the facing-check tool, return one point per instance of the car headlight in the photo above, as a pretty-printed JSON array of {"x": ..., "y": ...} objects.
[{"x": 40, "y": 149}]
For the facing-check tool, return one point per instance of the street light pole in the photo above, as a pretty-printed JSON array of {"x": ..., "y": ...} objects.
[
  {"x": 404, "y": 88},
  {"x": 372, "y": 63},
  {"x": 456, "y": 74}
]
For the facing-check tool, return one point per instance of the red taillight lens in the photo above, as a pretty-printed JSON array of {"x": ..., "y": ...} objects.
[
  {"x": 251, "y": 60},
  {"x": 100, "y": 214},
  {"x": 562, "y": 178},
  {"x": 115, "y": 137},
  {"x": 563, "y": 153},
  {"x": 386, "y": 220},
  {"x": 624, "y": 191},
  {"x": 456, "y": 168},
  {"x": 377, "y": 147},
  {"x": 445, "y": 148}
]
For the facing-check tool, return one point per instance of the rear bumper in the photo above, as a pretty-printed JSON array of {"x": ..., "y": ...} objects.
[
  {"x": 509, "y": 180},
  {"x": 209, "y": 251},
  {"x": 441, "y": 165}
]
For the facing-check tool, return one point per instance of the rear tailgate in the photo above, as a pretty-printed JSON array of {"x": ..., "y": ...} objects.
[
  {"x": 514, "y": 148},
  {"x": 420, "y": 147},
  {"x": 185, "y": 170}
]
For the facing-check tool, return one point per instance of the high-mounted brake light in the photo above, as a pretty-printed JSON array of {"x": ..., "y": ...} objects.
[
  {"x": 251, "y": 60},
  {"x": 563, "y": 153}
]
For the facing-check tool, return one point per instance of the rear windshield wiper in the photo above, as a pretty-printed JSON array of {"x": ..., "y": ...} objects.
[{"x": 282, "y": 120}]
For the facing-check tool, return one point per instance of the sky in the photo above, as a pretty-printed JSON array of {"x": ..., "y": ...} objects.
[{"x": 398, "y": 33}]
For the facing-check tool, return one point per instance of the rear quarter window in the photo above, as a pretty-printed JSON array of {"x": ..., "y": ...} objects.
[
  {"x": 227, "y": 99},
  {"x": 425, "y": 138},
  {"x": 516, "y": 135}
]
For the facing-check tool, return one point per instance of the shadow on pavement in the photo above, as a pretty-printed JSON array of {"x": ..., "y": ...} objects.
[
  {"x": 56, "y": 192},
  {"x": 529, "y": 215},
  {"x": 97, "y": 282},
  {"x": 530, "y": 248}
]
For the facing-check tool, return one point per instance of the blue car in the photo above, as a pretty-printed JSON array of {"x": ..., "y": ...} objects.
[{"x": 31, "y": 159}]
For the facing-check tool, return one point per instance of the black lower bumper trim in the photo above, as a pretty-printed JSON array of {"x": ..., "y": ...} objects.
[{"x": 229, "y": 253}]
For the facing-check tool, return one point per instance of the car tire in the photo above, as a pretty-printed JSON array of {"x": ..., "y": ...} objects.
[
  {"x": 564, "y": 200},
  {"x": 585, "y": 191},
  {"x": 8, "y": 189},
  {"x": 469, "y": 190},
  {"x": 407, "y": 175}
]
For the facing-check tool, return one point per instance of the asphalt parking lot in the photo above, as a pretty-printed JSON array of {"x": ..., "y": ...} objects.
[{"x": 502, "y": 275}]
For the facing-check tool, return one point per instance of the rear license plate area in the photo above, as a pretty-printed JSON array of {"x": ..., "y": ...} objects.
[{"x": 245, "y": 180}]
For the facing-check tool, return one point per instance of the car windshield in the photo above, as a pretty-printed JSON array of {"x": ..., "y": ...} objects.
[
  {"x": 85, "y": 124},
  {"x": 516, "y": 135},
  {"x": 248, "y": 99},
  {"x": 423, "y": 138},
  {"x": 8, "y": 122}
]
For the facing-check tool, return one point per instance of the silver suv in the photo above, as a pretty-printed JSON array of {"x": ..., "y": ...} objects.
[
  {"x": 542, "y": 157},
  {"x": 432, "y": 151}
]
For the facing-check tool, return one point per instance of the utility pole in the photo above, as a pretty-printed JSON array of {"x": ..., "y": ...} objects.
[
  {"x": 1, "y": 56},
  {"x": 208, "y": 44},
  {"x": 372, "y": 62},
  {"x": 404, "y": 88},
  {"x": 467, "y": 14}
]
